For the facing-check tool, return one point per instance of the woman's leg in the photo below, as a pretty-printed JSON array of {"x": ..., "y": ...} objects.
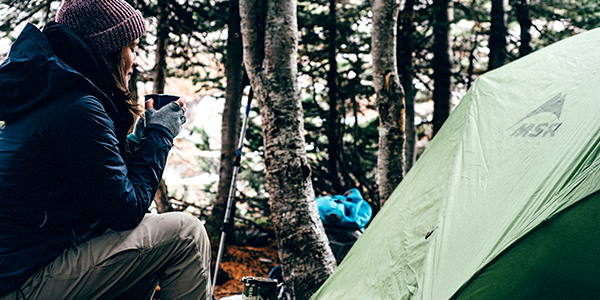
[{"x": 172, "y": 249}]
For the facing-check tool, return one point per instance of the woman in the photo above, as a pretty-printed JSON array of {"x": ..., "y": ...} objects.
[{"x": 73, "y": 223}]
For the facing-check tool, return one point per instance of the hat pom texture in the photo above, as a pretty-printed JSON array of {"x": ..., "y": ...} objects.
[{"x": 109, "y": 24}]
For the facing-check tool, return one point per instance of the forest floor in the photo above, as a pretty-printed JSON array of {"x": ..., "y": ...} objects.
[
  {"x": 238, "y": 262},
  {"x": 241, "y": 261}
]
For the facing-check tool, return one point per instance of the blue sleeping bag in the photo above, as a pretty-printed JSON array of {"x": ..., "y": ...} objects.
[{"x": 349, "y": 211}]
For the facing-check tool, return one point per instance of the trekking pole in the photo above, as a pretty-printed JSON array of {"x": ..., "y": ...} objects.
[{"x": 227, "y": 226}]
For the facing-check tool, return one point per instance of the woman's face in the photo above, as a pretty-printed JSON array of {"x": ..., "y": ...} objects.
[{"x": 129, "y": 60}]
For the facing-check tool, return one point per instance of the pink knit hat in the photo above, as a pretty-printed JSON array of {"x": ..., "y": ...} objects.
[{"x": 109, "y": 24}]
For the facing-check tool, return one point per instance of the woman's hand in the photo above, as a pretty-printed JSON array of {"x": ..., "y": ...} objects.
[{"x": 170, "y": 116}]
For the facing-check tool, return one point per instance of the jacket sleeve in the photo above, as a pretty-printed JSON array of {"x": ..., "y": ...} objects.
[{"x": 120, "y": 194}]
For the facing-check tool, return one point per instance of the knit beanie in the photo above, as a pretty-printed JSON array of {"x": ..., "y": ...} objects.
[{"x": 109, "y": 24}]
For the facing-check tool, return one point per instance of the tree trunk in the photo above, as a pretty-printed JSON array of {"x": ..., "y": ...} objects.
[
  {"x": 522, "y": 7},
  {"x": 162, "y": 40},
  {"x": 390, "y": 100},
  {"x": 162, "y": 198},
  {"x": 404, "y": 51},
  {"x": 442, "y": 64},
  {"x": 498, "y": 34},
  {"x": 160, "y": 70},
  {"x": 472, "y": 59},
  {"x": 270, "y": 38},
  {"x": 48, "y": 11},
  {"x": 230, "y": 125},
  {"x": 333, "y": 122}
]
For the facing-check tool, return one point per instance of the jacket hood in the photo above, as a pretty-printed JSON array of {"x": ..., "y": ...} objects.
[
  {"x": 43, "y": 66},
  {"x": 26, "y": 75}
]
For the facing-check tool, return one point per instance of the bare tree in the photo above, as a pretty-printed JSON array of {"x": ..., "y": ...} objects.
[
  {"x": 522, "y": 8},
  {"x": 160, "y": 70},
  {"x": 498, "y": 34},
  {"x": 390, "y": 100},
  {"x": 162, "y": 41},
  {"x": 230, "y": 126},
  {"x": 442, "y": 63},
  {"x": 333, "y": 122},
  {"x": 270, "y": 39},
  {"x": 404, "y": 53}
]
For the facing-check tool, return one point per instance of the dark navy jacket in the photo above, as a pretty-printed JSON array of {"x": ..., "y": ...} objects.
[{"x": 63, "y": 178}]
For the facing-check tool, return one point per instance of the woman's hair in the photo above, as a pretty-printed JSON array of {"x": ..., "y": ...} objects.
[{"x": 115, "y": 63}]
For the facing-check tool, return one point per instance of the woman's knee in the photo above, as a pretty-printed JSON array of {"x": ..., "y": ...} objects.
[
  {"x": 191, "y": 228},
  {"x": 176, "y": 227}
]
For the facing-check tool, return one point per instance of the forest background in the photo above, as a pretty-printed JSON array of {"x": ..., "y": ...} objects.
[{"x": 366, "y": 85}]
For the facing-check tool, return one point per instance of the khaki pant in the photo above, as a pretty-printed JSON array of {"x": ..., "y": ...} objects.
[{"x": 169, "y": 249}]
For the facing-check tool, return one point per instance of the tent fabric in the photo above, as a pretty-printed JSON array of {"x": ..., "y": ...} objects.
[
  {"x": 557, "y": 260},
  {"x": 520, "y": 148}
]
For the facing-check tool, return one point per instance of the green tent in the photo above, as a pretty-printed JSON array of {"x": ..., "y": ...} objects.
[{"x": 504, "y": 203}]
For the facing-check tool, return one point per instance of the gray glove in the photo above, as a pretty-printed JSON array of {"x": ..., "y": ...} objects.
[{"x": 171, "y": 117}]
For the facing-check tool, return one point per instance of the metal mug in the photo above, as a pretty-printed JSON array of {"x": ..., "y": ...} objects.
[{"x": 161, "y": 100}]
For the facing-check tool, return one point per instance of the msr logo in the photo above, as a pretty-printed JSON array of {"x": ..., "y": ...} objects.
[{"x": 537, "y": 122}]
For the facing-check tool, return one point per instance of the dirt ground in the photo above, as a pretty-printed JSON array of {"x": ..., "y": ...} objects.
[{"x": 238, "y": 262}]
